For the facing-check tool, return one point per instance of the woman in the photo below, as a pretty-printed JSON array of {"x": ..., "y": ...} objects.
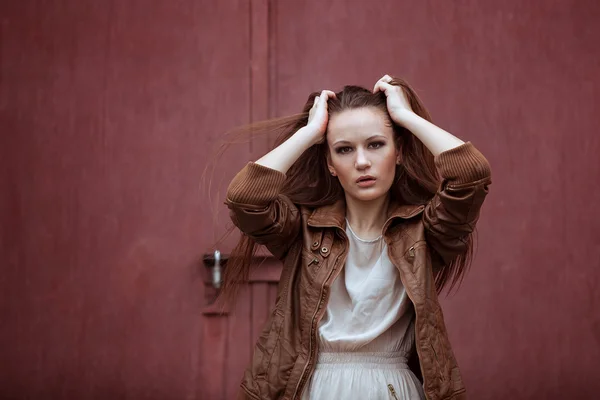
[{"x": 351, "y": 202}]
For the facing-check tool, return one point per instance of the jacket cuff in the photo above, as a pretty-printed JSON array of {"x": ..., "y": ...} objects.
[
  {"x": 463, "y": 164},
  {"x": 256, "y": 185}
]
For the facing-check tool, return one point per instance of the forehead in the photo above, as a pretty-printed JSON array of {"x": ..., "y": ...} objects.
[{"x": 358, "y": 124}]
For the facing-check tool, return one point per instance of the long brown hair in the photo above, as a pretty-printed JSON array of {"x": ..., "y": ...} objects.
[{"x": 309, "y": 183}]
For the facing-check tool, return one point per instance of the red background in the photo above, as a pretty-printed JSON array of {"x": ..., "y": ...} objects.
[{"x": 110, "y": 111}]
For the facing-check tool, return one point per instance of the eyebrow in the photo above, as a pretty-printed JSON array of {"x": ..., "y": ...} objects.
[{"x": 366, "y": 140}]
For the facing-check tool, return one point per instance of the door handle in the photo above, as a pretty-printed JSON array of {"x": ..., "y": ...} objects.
[
  {"x": 216, "y": 270},
  {"x": 215, "y": 264}
]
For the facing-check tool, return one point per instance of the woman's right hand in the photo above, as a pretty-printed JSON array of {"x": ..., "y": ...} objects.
[
  {"x": 282, "y": 157},
  {"x": 318, "y": 116}
]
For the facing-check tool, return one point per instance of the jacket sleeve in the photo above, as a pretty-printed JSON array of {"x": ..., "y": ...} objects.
[
  {"x": 451, "y": 215},
  {"x": 260, "y": 211}
]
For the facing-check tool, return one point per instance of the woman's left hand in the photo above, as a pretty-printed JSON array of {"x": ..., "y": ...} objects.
[{"x": 397, "y": 102}]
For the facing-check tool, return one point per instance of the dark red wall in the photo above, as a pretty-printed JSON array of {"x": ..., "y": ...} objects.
[
  {"x": 109, "y": 111},
  {"x": 520, "y": 80}
]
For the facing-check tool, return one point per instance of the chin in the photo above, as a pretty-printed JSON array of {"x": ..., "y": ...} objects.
[{"x": 369, "y": 195}]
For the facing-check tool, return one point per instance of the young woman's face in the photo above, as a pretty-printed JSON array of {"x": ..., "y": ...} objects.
[{"x": 362, "y": 152}]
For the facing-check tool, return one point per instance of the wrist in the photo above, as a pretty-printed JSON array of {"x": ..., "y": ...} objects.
[
  {"x": 404, "y": 117},
  {"x": 310, "y": 134}
]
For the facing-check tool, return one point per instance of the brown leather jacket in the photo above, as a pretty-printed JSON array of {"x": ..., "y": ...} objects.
[{"x": 312, "y": 245}]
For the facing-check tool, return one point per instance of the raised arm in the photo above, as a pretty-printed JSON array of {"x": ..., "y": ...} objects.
[
  {"x": 453, "y": 212},
  {"x": 254, "y": 197}
]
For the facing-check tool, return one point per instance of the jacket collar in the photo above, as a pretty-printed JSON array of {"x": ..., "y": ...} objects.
[{"x": 334, "y": 215}]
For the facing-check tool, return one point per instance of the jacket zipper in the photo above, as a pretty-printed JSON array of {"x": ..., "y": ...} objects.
[
  {"x": 310, "y": 340},
  {"x": 410, "y": 296},
  {"x": 392, "y": 391}
]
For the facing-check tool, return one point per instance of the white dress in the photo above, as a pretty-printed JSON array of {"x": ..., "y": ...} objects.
[{"x": 367, "y": 334}]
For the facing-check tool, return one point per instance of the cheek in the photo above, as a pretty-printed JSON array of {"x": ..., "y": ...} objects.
[
  {"x": 388, "y": 165},
  {"x": 342, "y": 165},
  {"x": 388, "y": 156}
]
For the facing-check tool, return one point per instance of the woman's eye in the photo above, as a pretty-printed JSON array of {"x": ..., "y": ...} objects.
[
  {"x": 343, "y": 150},
  {"x": 376, "y": 145}
]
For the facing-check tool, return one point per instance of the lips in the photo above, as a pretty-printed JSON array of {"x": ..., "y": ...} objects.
[
  {"x": 365, "y": 178},
  {"x": 366, "y": 181}
]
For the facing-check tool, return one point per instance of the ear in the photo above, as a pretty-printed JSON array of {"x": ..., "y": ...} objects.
[
  {"x": 329, "y": 165},
  {"x": 398, "y": 150},
  {"x": 398, "y": 158}
]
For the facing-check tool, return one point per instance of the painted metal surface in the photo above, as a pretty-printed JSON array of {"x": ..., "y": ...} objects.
[{"x": 109, "y": 113}]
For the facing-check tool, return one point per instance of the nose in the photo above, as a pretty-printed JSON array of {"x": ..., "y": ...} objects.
[{"x": 362, "y": 161}]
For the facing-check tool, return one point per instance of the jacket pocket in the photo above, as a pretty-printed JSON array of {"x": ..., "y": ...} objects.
[
  {"x": 312, "y": 259},
  {"x": 265, "y": 345},
  {"x": 437, "y": 362}
]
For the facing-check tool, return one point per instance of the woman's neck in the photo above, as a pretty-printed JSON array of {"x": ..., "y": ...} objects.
[{"x": 367, "y": 217}]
